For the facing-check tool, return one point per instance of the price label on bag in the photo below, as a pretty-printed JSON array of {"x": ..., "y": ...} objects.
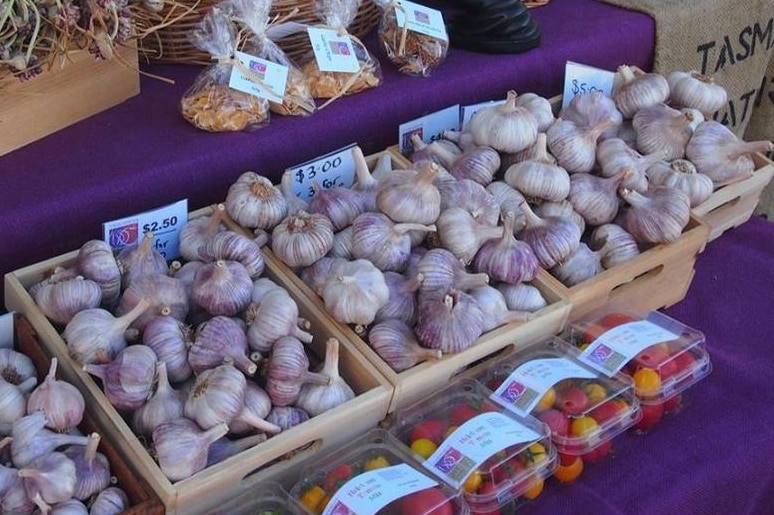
[
  {"x": 265, "y": 78},
  {"x": 6, "y": 331},
  {"x": 333, "y": 52},
  {"x": 164, "y": 222},
  {"x": 334, "y": 169},
  {"x": 421, "y": 19},
  {"x": 580, "y": 78},
  {"x": 429, "y": 127}
]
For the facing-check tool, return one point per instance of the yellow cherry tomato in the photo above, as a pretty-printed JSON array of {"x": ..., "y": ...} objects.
[
  {"x": 595, "y": 392},
  {"x": 535, "y": 488},
  {"x": 583, "y": 426},
  {"x": 424, "y": 447},
  {"x": 535, "y": 453},
  {"x": 313, "y": 498},
  {"x": 546, "y": 401},
  {"x": 378, "y": 462},
  {"x": 647, "y": 383},
  {"x": 473, "y": 482}
]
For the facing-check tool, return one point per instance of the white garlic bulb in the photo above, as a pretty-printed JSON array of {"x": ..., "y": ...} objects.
[
  {"x": 396, "y": 343},
  {"x": 472, "y": 197},
  {"x": 217, "y": 396},
  {"x": 633, "y": 91},
  {"x": 253, "y": 201},
  {"x": 658, "y": 216},
  {"x": 540, "y": 107},
  {"x": 383, "y": 242},
  {"x": 552, "y": 238},
  {"x": 505, "y": 127},
  {"x": 61, "y": 300},
  {"x": 355, "y": 292},
  {"x": 596, "y": 198},
  {"x": 522, "y": 296},
  {"x": 574, "y": 145},
  {"x": 539, "y": 179},
  {"x": 506, "y": 259},
  {"x": 682, "y": 174},
  {"x": 302, "y": 238},
  {"x": 62, "y": 402},
  {"x": 181, "y": 447},
  {"x": 588, "y": 109},
  {"x": 696, "y": 90},
  {"x": 409, "y": 195},
  {"x": 451, "y": 322},
  {"x": 223, "y": 287},
  {"x": 460, "y": 233},
  {"x": 615, "y": 156},
  {"x": 316, "y": 399},
  {"x": 664, "y": 130},
  {"x": 579, "y": 266},
  {"x": 614, "y": 244}
]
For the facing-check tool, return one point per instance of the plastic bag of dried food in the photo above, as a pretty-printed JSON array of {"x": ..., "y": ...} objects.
[
  {"x": 337, "y": 15},
  {"x": 210, "y": 103},
  {"x": 297, "y": 99},
  {"x": 413, "y": 36}
]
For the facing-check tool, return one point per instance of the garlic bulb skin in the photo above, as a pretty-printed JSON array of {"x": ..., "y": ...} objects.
[
  {"x": 287, "y": 416},
  {"x": 402, "y": 300},
  {"x": 223, "y": 287},
  {"x": 633, "y": 91},
  {"x": 342, "y": 244},
  {"x": 70, "y": 507},
  {"x": 472, "y": 197},
  {"x": 164, "y": 405},
  {"x": 478, "y": 164},
  {"x": 49, "y": 480},
  {"x": 506, "y": 259},
  {"x": 615, "y": 156},
  {"x": 450, "y": 322},
  {"x": 127, "y": 380},
  {"x": 581, "y": 265},
  {"x": 92, "y": 468},
  {"x": 181, "y": 447},
  {"x": 16, "y": 367},
  {"x": 316, "y": 399},
  {"x": 658, "y": 216},
  {"x": 167, "y": 296},
  {"x": 60, "y": 301},
  {"x": 253, "y": 201},
  {"x": 682, "y": 174},
  {"x": 339, "y": 204},
  {"x": 97, "y": 262},
  {"x": 31, "y": 440},
  {"x": 614, "y": 244},
  {"x": 232, "y": 246},
  {"x": 696, "y": 90},
  {"x": 505, "y": 127},
  {"x": 110, "y": 501},
  {"x": 195, "y": 233},
  {"x": 573, "y": 145},
  {"x": 552, "y": 238},
  {"x": 596, "y": 198},
  {"x": 252, "y": 416},
  {"x": 495, "y": 309},
  {"x": 410, "y": 196},
  {"x": 217, "y": 396},
  {"x": 522, "y": 297},
  {"x": 302, "y": 238},
  {"x": 219, "y": 340},
  {"x": 356, "y": 293},
  {"x": 275, "y": 317},
  {"x": 462, "y": 234},
  {"x": 62, "y": 402},
  {"x": 141, "y": 260},
  {"x": 588, "y": 109},
  {"x": 395, "y": 342},
  {"x": 540, "y": 108},
  {"x": 170, "y": 339},
  {"x": 13, "y": 399},
  {"x": 382, "y": 242},
  {"x": 295, "y": 203},
  {"x": 441, "y": 271},
  {"x": 539, "y": 180},
  {"x": 288, "y": 369},
  {"x": 664, "y": 130}
]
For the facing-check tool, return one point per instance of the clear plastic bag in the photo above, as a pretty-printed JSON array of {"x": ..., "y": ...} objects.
[
  {"x": 338, "y": 15},
  {"x": 412, "y": 52},
  {"x": 209, "y": 103}
]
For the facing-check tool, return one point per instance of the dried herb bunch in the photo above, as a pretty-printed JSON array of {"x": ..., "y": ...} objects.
[{"x": 33, "y": 33}]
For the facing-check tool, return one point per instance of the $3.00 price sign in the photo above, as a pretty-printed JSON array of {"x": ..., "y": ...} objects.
[
  {"x": 332, "y": 170},
  {"x": 165, "y": 224}
]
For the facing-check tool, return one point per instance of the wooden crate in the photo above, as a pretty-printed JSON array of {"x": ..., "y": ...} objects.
[
  {"x": 141, "y": 499},
  {"x": 732, "y": 205},
  {"x": 657, "y": 278},
  {"x": 76, "y": 87},
  {"x": 278, "y": 458}
]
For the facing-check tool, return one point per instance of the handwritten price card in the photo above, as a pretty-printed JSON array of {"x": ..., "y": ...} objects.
[
  {"x": 429, "y": 127},
  {"x": 579, "y": 78},
  {"x": 334, "y": 169},
  {"x": 165, "y": 224}
]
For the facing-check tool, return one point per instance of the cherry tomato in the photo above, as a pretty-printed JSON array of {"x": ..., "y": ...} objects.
[
  {"x": 461, "y": 413},
  {"x": 535, "y": 488},
  {"x": 312, "y": 498},
  {"x": 647, "y": 383},
  {"x": 599, "y": 452},
  {"x": 546, "y": 401},
  {"x": 534, "y": 454},
  {"x": 377, "y": 462},
  {"x": 570, "y": 472},
  {"x": 684, "y": 361},
  {"x": 609, "y": 321},
  {"x": 473, "y": 482},
  {"x": 572, "y": 400},
  {"x": 673, "y": 403},
  {"x": 595, "y": 392},
  {"x": 431, "y": 501},
  {"x": 651, "y": 416},
  {"x": 556, "y": 420},
  {"x": 337, "y": 477},
  {"x": 583, "y": 426},
  {"x": 431, "y": 429},
  {"x": 424, "y": 447}
]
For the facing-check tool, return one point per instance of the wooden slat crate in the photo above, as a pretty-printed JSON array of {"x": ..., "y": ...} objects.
[
  {"x": 76, "y": 87},
  {"x": 141, "y": 499},
  {"x": 278, "y": 458},
  {"x": 732, "y": 205}
]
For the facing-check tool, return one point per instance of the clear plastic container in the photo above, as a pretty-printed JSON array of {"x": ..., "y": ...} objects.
[
  {"x": 264, "y": 498},
  {"x": 374, "y": 474},
  {"x": 583, "y": 408},
  {"x": 663, "y": 356},
  {"x": 492, "y": 456}
]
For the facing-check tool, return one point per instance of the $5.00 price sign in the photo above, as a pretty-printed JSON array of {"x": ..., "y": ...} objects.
[
  {"x": 165, "y": 224},
  {"x": 332, "y": 170},
  {"x": 580, "y": 79}
]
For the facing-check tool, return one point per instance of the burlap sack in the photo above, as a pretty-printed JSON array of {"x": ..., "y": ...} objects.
[{"x": 730, "y": 40}]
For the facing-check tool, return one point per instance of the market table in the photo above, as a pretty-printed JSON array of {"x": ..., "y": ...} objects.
[{"x": 140, "y": 155}]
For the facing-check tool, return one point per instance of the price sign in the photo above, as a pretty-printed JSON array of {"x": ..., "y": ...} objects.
[
  {"x": 421, "y": 19},
  {"x": 333, "y": 53},
  {"x": 273, "y": 77},
  {"x": 165, "y": 224},
  {"x": 334, "y": 169},
  {"x": 6, "y": 331},
  {"x": 467, "y": 112},
  {"x": 429, "y": 127},
  {"x": 580, "y": 78}
]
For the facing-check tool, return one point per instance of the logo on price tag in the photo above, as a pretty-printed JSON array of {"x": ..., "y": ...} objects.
[
  {"x": 429, "y": 128},
  {"x": 332, "y": 170},
  {"x": 265, "y": 79},
  {"x": 165, "y": 224},
  {"x": 333, "y": 52}
]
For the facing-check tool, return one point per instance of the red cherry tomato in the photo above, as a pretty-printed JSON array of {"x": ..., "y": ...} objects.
[
  {"x": 684, "y": 361},
  {"x": 431, "y": 501},
  {"x": 598, "y": 452},
  {"x": 651, "y": 416},
  {"x": 673, "y": 403},
  {"x": 608, "y": 410},
  {"x": 608, "y": 321},
  {"x": 337, "y": 477},
  {"x": 461, "y": 413},
  {"x": 431, "y": 429}
]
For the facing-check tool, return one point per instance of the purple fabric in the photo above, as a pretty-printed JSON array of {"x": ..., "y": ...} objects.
[
  {"x": 141, "y": 154},
  {"x": 715, "y": 456}
]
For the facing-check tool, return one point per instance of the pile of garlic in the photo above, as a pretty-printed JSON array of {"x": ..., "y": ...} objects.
[
  {"x": 204, "y": 357},
  {"x": 46, "y": 464}
]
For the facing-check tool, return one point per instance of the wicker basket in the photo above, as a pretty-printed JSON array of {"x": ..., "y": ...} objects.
[{"x": 170, "y": 44}]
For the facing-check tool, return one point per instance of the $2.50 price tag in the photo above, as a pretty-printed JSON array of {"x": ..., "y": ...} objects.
[
  {"x": 580, "y": 78},
  {"x": 334, "y": 169},
  {"x": 164, "y": 222}
]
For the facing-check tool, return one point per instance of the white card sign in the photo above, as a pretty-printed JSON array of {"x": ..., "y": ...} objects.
[
  {"x": 421, "y": 19},
  {"x": 429, "y": 127},
  {"x": 165, "y": 224},
  {"x": 273, "y": 77},
  {"x": 333, "y": 52},
  {"x": 580, "y": 78},
  {"x": 6, "y": 331},
  {"x": 334, "y": 169}
]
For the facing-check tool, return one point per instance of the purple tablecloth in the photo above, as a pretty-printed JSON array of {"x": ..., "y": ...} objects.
[
  {"x": 141, "y": 154},
  {"x": 715, "y": 456}
]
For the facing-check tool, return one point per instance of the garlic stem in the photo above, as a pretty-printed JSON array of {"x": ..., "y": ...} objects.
[
  {"x": 363, "y": 178},
  {"x": 750, "y": 147}
]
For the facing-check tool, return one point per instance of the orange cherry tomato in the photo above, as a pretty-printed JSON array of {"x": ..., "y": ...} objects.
[{"x": 570, "y": 472}]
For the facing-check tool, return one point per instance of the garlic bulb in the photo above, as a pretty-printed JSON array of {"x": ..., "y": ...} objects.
[
  {"x": 509, "y": 200},
  {"x": 295, "y": 203},
  {"x": 339, "y": 204},
  {"x": 342, "y": 244},
  {"x": 588, "y": 109},
  {"x": 181, "y": 447},
  {"x": 253, "y": 201},
  {"x": 232, "y": 246},
  {"x": 451, "y": 322},
  {"x": 632, "y": 91},
  {"x": 665, "y": 131},
  {"x": 682, "y": 174},
  {"x": 505, "y": 127},
  {"x": 61, "y": 300},
  {"x": 579, "y": 266},
  {"x": 217, "y": 396},
  {"x": 13, "y": 402},
  {"x": 164, "y": 405},
  {"x": 167, "y": 296},
  {"x": 562, "y": 209},
  {"x": 383, "y": 242},
  {"x": 252, "y": 416},
  {"x": 355, "y": 293},
  {"x": 495, "y": 309},
  {"x": 596, "y": 198},
  {"x": 261, "y": 287},
  {"x": 62, "y": 402},
  {"x": 441, "y": 270},
  {"x": 478, "y": 163},
  {"x": 402, "y": 299},
  {"x": 539, "y": 178},
  {"x": 536, "y": 151},
  {"x": 316, "y": 399},
  {"x": 540, "y": 108},
  {"x": 195, "y": 233},
  {"x": 127, "y": 380},
  {"x": 506, "y": 259},
  {"x": 302, "y": 238},
  {"x": 462, "y": 139},
  {"x": 15, "y": 367},
  {"x": 220, "y": 340},
  {"x": 409, "y": 195},
  {"x": 462, "y": 234},
  {"x": 695, "y": 90},
  {"x": 96, "y": 261},
  {"x": 288, "y": 369},
  {"x": 658, "y": 216},
  {"x": 222, "y": 287},
  {"x": 70, "y": 507},
  {"x": 615, "y": 156},
  {"x": 48, "y": 480},
  {"x": 110, "y": 501},
  {"x": 30, "y": 440},
  {"x": 317, "y": 274},
  {"x": 276, "y": 316},
  {"x": 170, "y": 339},
  {"x": 614, "y": 244},
  {"x": 472, "y": 197},
  {"x": 224, "y": 447},
  {"x": 96, "y": 336},
  {"x": 92, "y": 469},
  {"x": 140, "y": 260},
  {"x": 287, "y": 416},
  {"x": 574, "y": 145},
  {"x": 719, "y": 154},
  {"x": 13, "y": 497},
  {"x": 552, "y": 238},
  {"x": 522, "y": 297},
  {"x": 421, "y": 151},
  {"x": 395, "y": 342}
]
